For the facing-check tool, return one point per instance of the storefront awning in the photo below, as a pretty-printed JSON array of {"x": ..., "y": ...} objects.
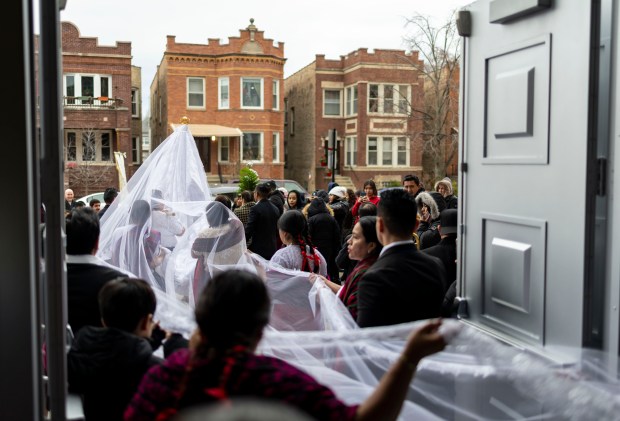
[{"x": 207, "y": 130}]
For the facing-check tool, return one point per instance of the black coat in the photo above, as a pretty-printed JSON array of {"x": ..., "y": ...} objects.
[
  {"x": 105, "y": 366},
  {"x": 446, "y": 252},
  {"x": 402, "y": 286},
  {"x": 262, "y": 228},
  {"x": 324, "y": 233},
  {"x": 83, "y": 284},
  {"x": 277, "y": 198}
]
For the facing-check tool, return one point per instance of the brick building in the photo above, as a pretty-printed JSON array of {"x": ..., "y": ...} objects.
[
  {"x": 231, "y": 93},
  {"x": 99, "y": 89},
  {"x": 368, "y": 98}
]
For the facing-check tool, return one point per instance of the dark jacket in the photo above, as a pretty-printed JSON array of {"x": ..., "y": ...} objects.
[
  {"x": 324, "y": 233},
  {"x": 83, "y": 284},
  {"x": 103, "y": 210},
  {"x": 262, "y": 228},
  {"x": 445, "y": 251},
  {"x": 402, "y": 286},
  {"x": 452, "y": 202},
  {"x": 105, "y": 366},
  {"x": 277, "y": 198},
  {"x": 340, "y": 208}
]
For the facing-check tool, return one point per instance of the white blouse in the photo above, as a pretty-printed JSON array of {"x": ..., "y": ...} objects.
[{"x": 290, "y": 257}]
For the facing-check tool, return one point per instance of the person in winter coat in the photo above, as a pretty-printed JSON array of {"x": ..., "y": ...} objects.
[
  {"x": 106, "y": 364},
  {"x": 444, "y": 187},
  {"x": 276, "y": 196},
  {"x": 324, "y": 233},
  {"x": 339, "y": 204},
  {"x": 430, "y": 206},
  {"x": 370, "y": 188}
]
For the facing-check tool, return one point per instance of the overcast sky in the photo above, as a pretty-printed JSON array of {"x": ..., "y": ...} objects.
[{"x": 307, "y": 28}]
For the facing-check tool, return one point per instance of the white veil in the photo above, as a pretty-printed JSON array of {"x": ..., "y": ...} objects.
[{"x": 476, "y": 377}]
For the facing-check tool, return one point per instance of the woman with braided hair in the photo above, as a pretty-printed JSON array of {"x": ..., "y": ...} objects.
[{"x": 299, "y": 252}]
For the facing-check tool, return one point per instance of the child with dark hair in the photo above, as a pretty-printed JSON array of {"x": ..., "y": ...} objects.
[
  {"x": 105, "y": 364},
  {"x": 232, "y": 313},
  {"x": 299, "y": 252}
]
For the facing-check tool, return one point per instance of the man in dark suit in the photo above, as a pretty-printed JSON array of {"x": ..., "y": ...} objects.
[
  {"x": 86, "y": 273},
  {"x": 404, "y": 285},
  {"x": 262, "y": 227}
]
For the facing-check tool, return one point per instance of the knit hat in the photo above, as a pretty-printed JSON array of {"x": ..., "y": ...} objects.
[
  {"x": 322, "y": 194},
  {"x": 338, "y": 191}
]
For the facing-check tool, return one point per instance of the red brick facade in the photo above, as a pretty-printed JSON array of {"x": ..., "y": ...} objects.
[
  {"x": 242, "y": 61},
  {"x": 380, "y": 140},
  {"x": 97, "y": 84}
]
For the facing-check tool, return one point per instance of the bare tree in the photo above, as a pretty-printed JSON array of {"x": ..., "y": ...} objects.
[
  {"x": 438, "y": 48},
  {"x": 84, "y": 175}
]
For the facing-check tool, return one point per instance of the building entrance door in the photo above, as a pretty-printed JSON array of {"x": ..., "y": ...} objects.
[{"x": 204, "y": 150}]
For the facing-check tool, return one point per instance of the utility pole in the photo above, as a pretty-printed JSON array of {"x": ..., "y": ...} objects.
[{"x": 333, "y": 149}]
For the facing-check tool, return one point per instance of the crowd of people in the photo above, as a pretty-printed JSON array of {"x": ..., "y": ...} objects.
[
  {"x": 374, "y": 252},
  {"x": 178, "y": 302},
  {"x": 128, "y": 258}
]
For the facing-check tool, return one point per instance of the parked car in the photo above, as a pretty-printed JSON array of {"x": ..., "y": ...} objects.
[
  {"x": 287, "y": 184},
  {"x": 228, "y": 190},
  {"x": 86, "y": 199}
]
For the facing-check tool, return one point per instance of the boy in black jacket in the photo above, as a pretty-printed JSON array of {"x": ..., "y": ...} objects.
[{"x": 106, "y": 364}]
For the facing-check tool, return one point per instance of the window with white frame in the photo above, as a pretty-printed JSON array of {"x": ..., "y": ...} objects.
[
  {"x": 82, "y": 86},
  {"x": 251, "y": 92},
  {"x": 223, "y": 93},
  {"x": 331, "y": 102},
  {"x": 252, "y": 147},
  {"x": 195, "y": 92},
  {"x": 134, "y": 103},
  {"x": 350, "y": 151},
  {"x": 276, "y": 95},
  {"x": 224, "y": 149},
  {"x": 275, "y": 147},
  {"x": 387, "y": 151},
  {"x": 88, "y": 145},
  {"x": 351, "y": 100},
  {"x": 388, "y": 98},
  {"x": 135, "y": 149}
]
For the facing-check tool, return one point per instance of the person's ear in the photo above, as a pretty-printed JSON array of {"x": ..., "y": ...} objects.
[
  {"x": 380, "y": 224},
  {"x": 371, "y": 247}
]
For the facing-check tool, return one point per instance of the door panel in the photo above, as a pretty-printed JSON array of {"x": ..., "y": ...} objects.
[{"x": 525, "y": 133}]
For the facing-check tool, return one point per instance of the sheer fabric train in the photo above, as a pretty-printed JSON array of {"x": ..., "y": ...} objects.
[{"x": 476, "y": 377}]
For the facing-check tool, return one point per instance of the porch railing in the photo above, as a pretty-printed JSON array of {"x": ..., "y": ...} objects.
[{"x": 89, "y": 102}]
